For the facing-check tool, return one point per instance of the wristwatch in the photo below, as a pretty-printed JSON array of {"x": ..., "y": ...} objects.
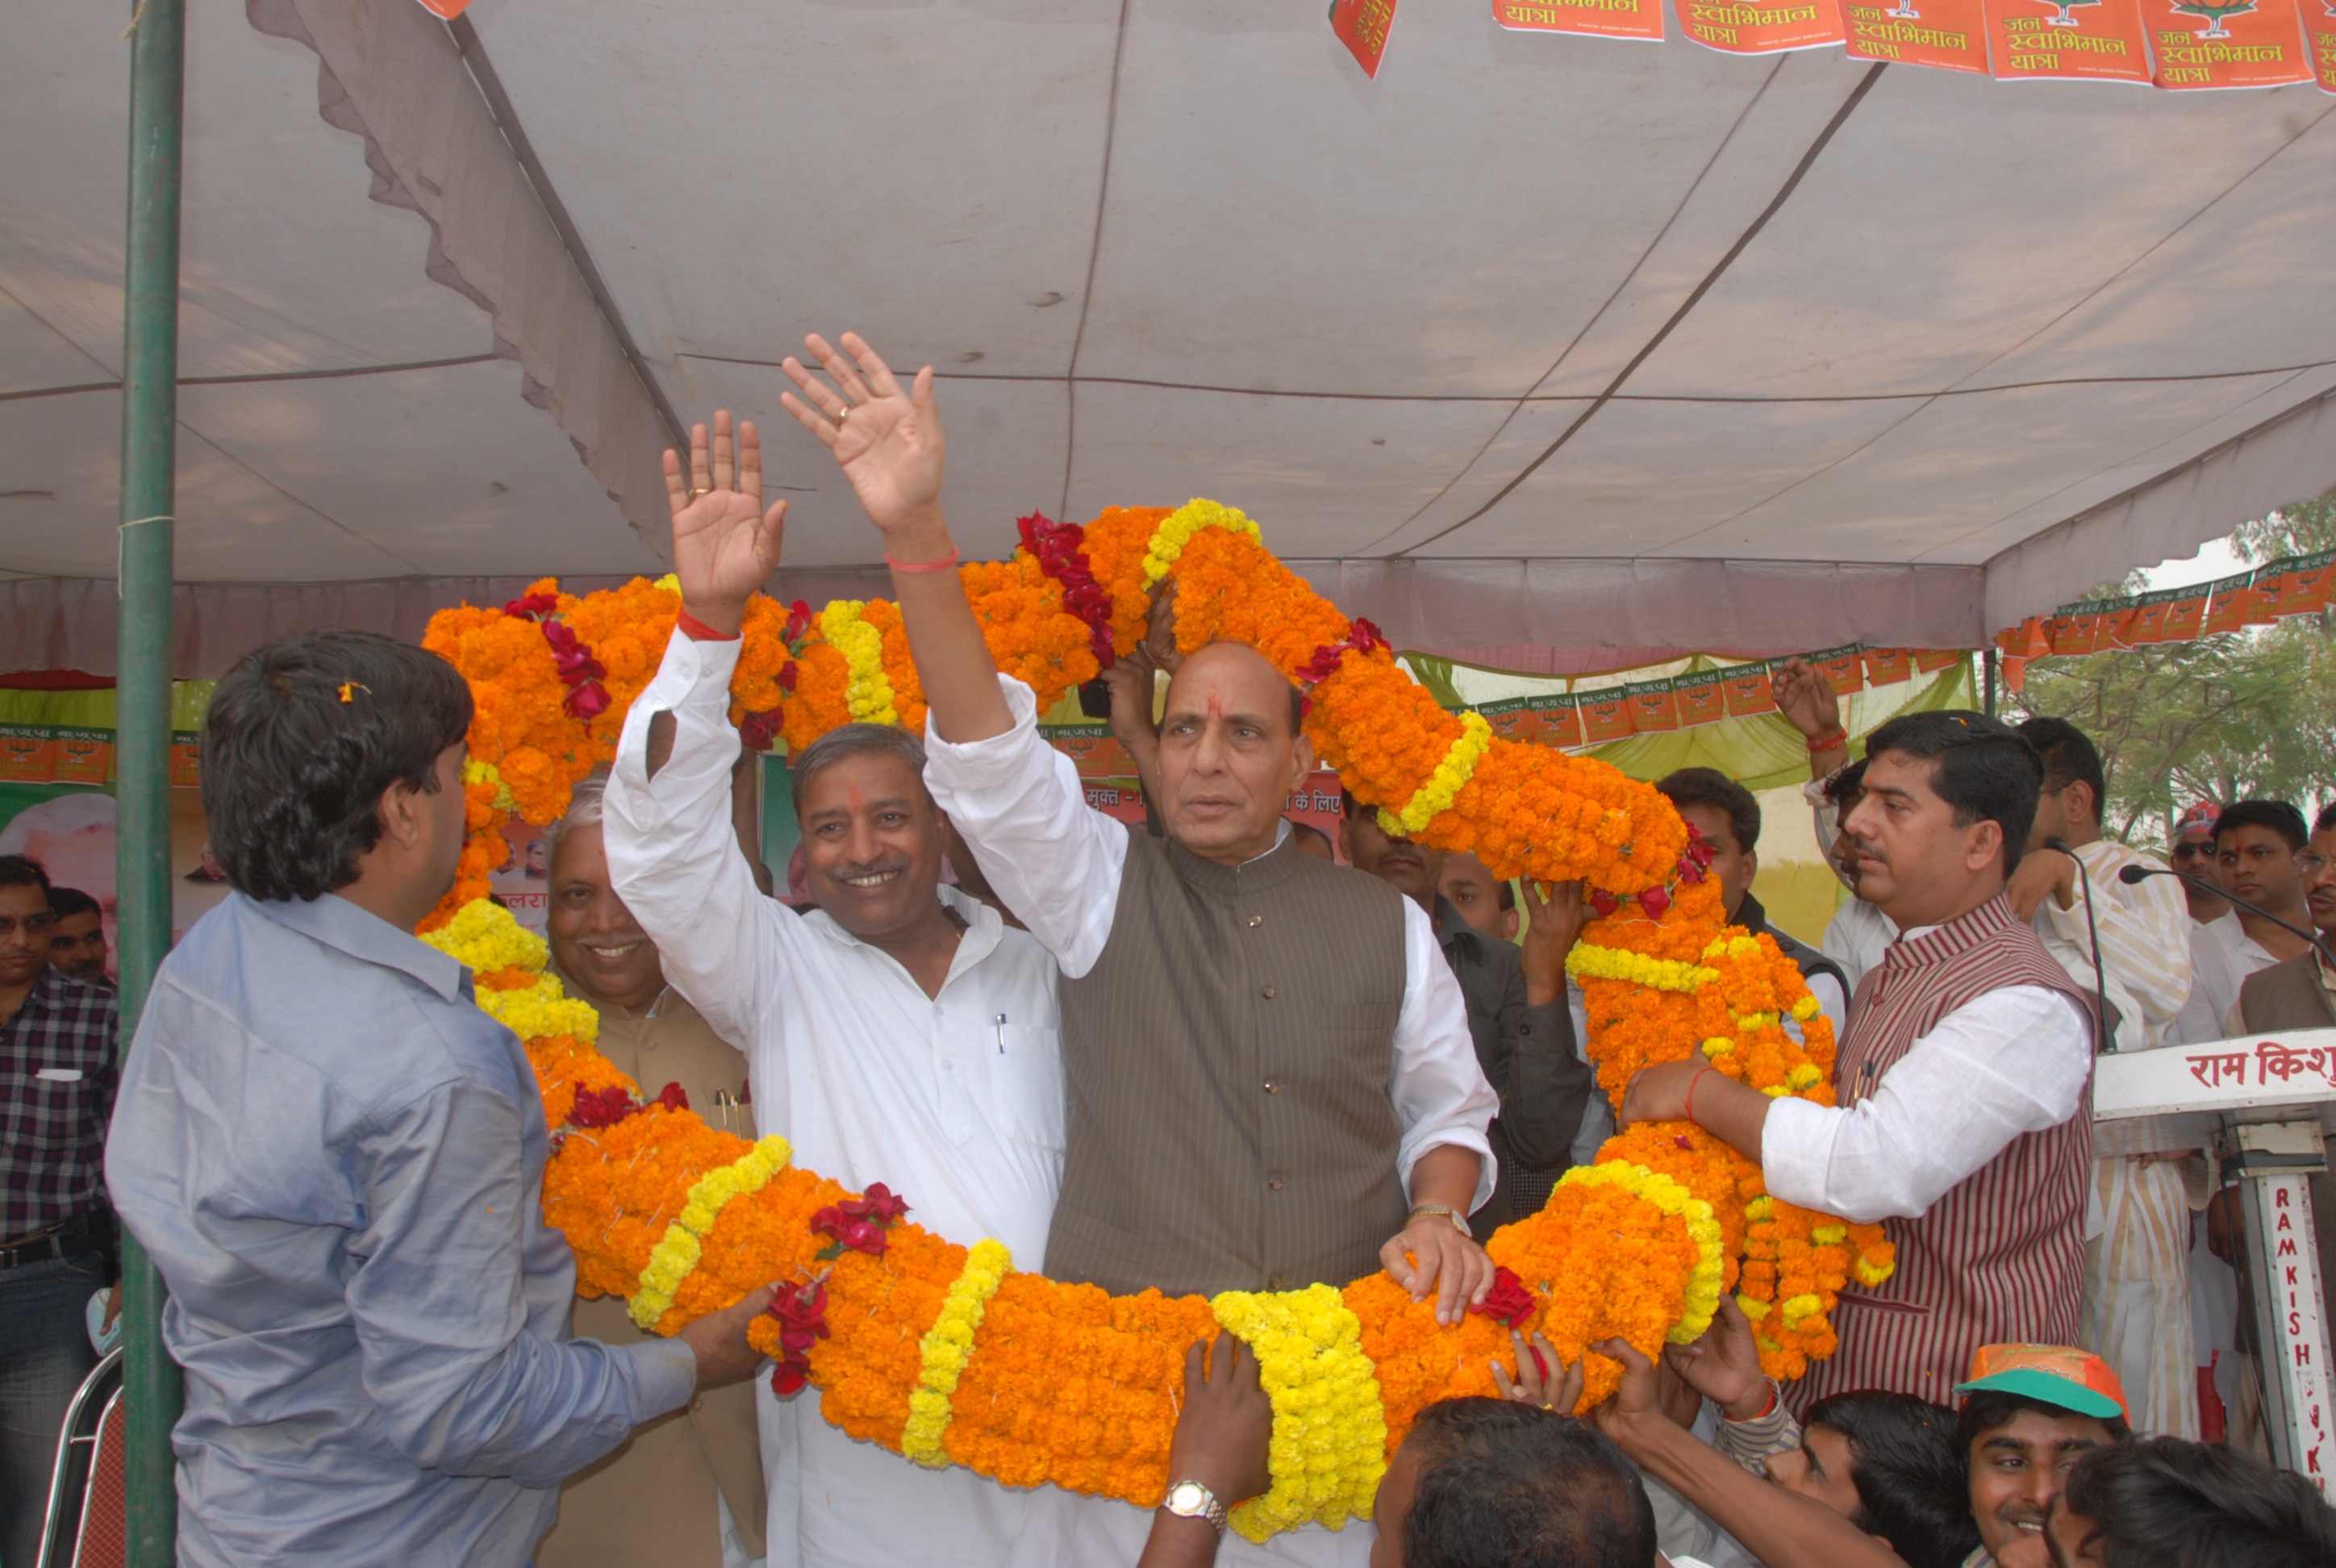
[
  {"x": 1459, "y": 1220},
  {"x": 1190, "y": 1500}
]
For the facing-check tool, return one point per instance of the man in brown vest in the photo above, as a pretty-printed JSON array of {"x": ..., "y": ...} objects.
[
  {"x": 652, "y": 1500},
  {"x": 1272, "y": 1083},
  {"x": 1964, "y": 1119}
]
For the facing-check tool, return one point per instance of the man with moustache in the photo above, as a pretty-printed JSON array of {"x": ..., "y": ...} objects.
[
  {"x": 1273, "y": 1081},
  {"x": 1483, "y": 899},
  {"x": 655, "y": 1498},
  {"x": 898, "y": 1033},
  {"x": 1517, "y": 1014},
  {"x": 1961, "y": 1090},
  {"x": 77, "y": 940},
  {"x": 2256, "y": 843}
]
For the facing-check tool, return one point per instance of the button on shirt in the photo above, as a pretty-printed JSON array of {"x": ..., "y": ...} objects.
[
  {"x": 56, "y": 1085},
  {"x": 336, "y": 1160}
]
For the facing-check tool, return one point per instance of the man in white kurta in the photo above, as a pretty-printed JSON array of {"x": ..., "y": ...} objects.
[
  {"x": 953, "y": 1100},
  {"x": 2136, "y": 1313}
]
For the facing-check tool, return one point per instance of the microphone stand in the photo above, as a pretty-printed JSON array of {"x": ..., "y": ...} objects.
[
  {"x": 2135, "y": 874},
  {"x": 2104, "y": 1035}
]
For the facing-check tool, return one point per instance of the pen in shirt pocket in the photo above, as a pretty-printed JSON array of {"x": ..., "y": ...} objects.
[{"x": 1001, "y": 1034}]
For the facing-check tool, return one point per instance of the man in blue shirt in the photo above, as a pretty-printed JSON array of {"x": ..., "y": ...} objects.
[{"x": 337, "y": 1159}]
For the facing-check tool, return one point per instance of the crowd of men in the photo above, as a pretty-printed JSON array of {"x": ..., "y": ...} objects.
[{"x": 1193, "y": 1054}]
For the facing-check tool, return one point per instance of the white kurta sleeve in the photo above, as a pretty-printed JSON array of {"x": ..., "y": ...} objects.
[
  {"x": 673, "y": 854},
  {"x": 2013, "y": 1061},
  {"x": 1439, "y": 1092},
  {"x": 2144, "y": 934},
  {"x": 1017, "y": 800}
]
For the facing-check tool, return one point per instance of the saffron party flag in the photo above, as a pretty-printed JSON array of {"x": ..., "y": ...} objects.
[
  {"x": 1515, "y": 719},
  {"x": 2074, "y": 40},
  {"x": 186, "y": 759},
  {"x": 1605, "y": 714},
  {"x": 2228, "y": 609},
  {"x": 1749, "y": 690},
  {"x": 2186, "y": 612},
  {"x": 1561, "y": 719},
  {"x": 1598, "y": 18},
  {"x": 1093, "y": 750},
  {"x": 1842, "y": 667},
  {"x": 1654, "y": 706},
  {"x": 449, "y": 9},
  {"x": 1745, "y": 27},
  {"x": 2076, "y": 632},
  {"x": 1361, "y": 26},
  {"x": 2149, "y": 619},
  {"x": 1887, "y": 666},
  {"x": 1702, "y": 697},
  {"x": 1931, "y": 660},
  {"x": 2225, "y": 42},
  {"x": 28, "y": 754},
  {"x": 83, "y": 755},
  {"x": 1948, "y": 35}
]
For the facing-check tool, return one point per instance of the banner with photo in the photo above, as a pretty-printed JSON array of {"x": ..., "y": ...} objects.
[{"x": 2292, "y": 585}]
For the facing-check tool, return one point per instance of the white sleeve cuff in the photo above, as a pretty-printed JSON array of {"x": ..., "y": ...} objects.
[{"x": 977, "y": 764}]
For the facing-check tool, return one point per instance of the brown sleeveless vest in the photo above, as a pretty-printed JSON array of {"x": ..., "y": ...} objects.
[
  {"x": 2000, "y": 1258},
  {"x": 2286, "y": 996},
  {"x": 1228, "y": 1058}
]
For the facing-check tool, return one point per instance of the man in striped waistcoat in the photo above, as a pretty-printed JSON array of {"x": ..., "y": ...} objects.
[{"x": 1964, "y": 1085}]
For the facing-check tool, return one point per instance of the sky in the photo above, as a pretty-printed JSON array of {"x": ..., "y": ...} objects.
[{"x": 2215, "y": 559}]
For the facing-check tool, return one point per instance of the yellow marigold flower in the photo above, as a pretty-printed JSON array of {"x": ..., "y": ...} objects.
[
  {"x": 1797, "y": 1308},
  {"x": 869, "y": 693},
  {"x": 485, "y": 772},
  {"x": 1590, "y": 962},
  {"x": 1804, "y": 1009},
  {"x": 1168, "y": 540},
  {"x": 1329, "y": 1427},
  {"x": 1774, "y": 1091},
  {"x": 946, "y": 1347},
  {"x": 1435, "y": 796},
  {"x": 1802, "y": 1077},
  {"x": 1754, "y": 1308},
  {"x": 541, "y": 1011},
  {"x": 670, "y": 582},
  {"x": 1703, "y": 1286},
  {"x": 1760, "y": 1208},
  {"x": 1718, "y": 1045},
  {"x": 1872, "y": 1274},
  {"x": 677, "y": 1254},
  {"x": 1829, "y": 1235},
  {"x": 484, "y": 936}
]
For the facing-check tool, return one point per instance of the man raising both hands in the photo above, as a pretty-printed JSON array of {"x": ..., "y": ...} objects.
[{"x": 1272, "y": 1083}]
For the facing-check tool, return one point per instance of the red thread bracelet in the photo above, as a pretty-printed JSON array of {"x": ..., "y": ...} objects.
[
  {"x": 697, "y": 630},
  {"x": 941, "y": 565},
  {"x": 1691, "y": 1093},
  {"x": 1826, "y": 742}
]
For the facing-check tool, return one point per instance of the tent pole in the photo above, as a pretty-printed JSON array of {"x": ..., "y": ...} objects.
[
  {"x": 150, "y": 385},
  {"x": 1987, "y": 667}
]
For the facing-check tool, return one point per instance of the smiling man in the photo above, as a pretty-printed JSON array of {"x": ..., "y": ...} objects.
[
  {"x": 654, "y": 1498},
  {"x": 1960, "y": 1088},
  {"x": 2031, "y": 1412},
  {"x": 898, "y": 1033},
  {"x": 1273, "y": 1082}
]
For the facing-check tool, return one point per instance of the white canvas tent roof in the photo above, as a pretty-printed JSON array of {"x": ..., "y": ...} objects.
[{"x": 1534, "y": 345}]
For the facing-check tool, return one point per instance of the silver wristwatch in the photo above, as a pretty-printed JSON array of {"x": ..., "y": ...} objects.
[{"x": 1190, "y": 1500}]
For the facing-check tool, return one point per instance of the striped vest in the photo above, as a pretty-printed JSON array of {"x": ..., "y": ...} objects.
[
  {"x": 1228, "y": 1055},
  {"x": 2001, "y": 1258}
]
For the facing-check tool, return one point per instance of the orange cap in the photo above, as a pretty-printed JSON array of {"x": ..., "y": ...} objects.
[{"x": 2059, "y": 1374}]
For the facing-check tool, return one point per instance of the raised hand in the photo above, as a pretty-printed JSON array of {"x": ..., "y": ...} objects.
[
  {"x": 888, "y": 442},
  {"x": 1804, "y": 696},
  {"x": 725, "y": 545},
  {"x": 1542, "y": 1379},
  {"x": 1723, "y": 1365},
  {"x": 1554, "y": 924}
]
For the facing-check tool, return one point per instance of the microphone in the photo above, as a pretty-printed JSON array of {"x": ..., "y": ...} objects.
[
  {"x": 2104, "y": 1032},
  {"x": 2135, "y": 874}
]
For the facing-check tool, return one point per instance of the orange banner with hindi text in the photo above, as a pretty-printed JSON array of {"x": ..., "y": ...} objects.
[
  {"x": 1598, "y": 18},
  {"x": 2225, "y": 42},
  {"x": 1950, "y": 34},
  {"x": 2073, "y": 40},
  {"x": 1744, "y": 27},
  {"x": 2320, "y": 36}
]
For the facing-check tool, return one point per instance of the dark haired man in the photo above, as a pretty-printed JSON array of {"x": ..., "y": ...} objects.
[
  {"x": 1272, "y": 1083},
  {"x": 56, "y": 1228},
  {"x": 2029, "y": 1413},
  {"x": 2137, "y": 1269},
  {"x": 1961, "y": 1088},
  {"x": 2255, "y": 845},
  {"x": 77, "y": 940},
  {"x": 2214, "y": 982},
  {"x": 337, "y": 1159},
  {"x": 1483, "y": 901},
  {"x": 1728, "y": 816},
  {"x": 899, "y": 1032},
  {"x": 655, "y": 1498},
  {"x": 2162, "y": 1503},
  {"x": 1517, "y": 1014},
  {"x": 1481, "y": 1483}
]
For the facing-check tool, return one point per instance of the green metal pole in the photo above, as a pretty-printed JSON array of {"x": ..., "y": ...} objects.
[{"x": 150, "y": 388}]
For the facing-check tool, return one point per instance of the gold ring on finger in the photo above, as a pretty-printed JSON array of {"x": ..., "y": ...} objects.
[
  {"x": 844, "y": 413},
  {"x": 701, "y": 489}
]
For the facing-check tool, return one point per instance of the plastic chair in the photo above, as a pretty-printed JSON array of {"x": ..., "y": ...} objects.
[{"x": 87, "y": 1524}]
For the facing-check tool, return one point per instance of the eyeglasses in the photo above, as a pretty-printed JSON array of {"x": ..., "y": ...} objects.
[
  {"x": 2309, "y": 865},
  {"x": 31, "y": 925}
]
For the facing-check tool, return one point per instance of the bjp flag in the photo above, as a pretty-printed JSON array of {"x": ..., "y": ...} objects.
[
  {"x": 2076, "y": 40},
  {"x": 1605, "y": 714},
  {"x": 2227, "y": 609},
  {"x": 2225, "y": 42},
  {"x": 1886, "y": 666},
  {"x": 1561, "y": 719},
  {"x": 2117, "y": 623},
  {"x": 2076, "y": 631},
  {"x": 28, "y": 754},
  {"x": 1749, "y": 689},
  {"x": 1842, "y": 667},
  {"x": 1702, "y": 697},
  {"x": 83, "y": 755},
  {"x": 186, "y": 758},
  {"x": 1947, "y": 34},
  {"x": 1512, "y": 720},
  {"x": 1746, "y": 28},
  {"x": 1931, "y": 660},
  {"x": 1598, "y": 18},
  {"x": 2308, "y": 584},
  {"x": 2149, "y": 619},
  {"x": 1654, "y": 706}
]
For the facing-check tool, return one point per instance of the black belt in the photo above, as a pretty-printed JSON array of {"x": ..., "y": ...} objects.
[{"x": 75, "y": 1237}]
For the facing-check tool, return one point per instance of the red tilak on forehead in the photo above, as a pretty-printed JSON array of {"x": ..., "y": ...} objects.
[{"x": 1216, "y": 706}]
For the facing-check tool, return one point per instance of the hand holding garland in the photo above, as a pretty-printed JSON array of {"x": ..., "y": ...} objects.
[
  {"x": 1554, "y": 925},
  {"x": 1222, "y": 1436},
  {"x": 1695, "y": 1091},
  {"x": 890, "y": 445},
  {"x": 1434, "y": 1254}
]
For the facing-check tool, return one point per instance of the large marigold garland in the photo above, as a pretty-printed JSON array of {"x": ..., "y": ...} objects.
[{"x": 932, "y": 1348}]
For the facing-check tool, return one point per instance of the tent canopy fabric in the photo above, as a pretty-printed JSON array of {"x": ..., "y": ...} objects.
[{"x": 1531, "y": 345}]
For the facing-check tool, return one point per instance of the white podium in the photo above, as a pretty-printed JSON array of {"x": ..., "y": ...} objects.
[{"x": 2266, "y": 1104}]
